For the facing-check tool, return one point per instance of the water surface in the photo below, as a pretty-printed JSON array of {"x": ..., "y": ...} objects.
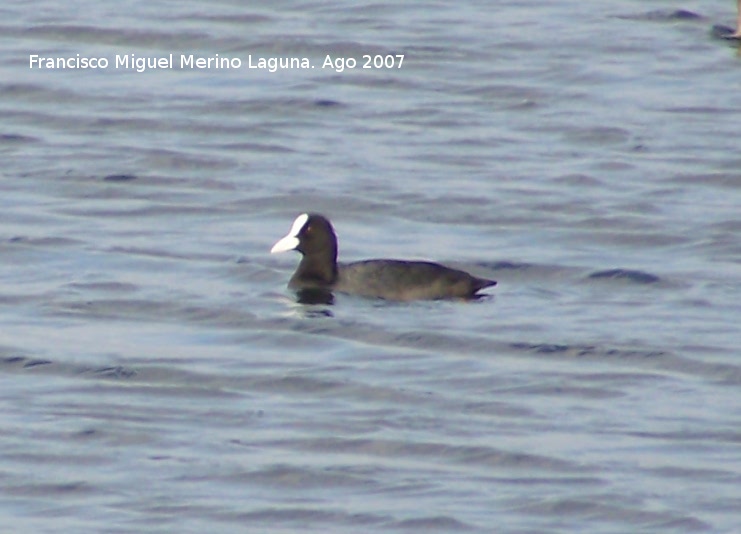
[{"x": 157, "y": 376}]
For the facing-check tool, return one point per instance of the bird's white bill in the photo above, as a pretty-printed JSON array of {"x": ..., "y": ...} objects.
[
  {"x": 290, "y": 242},
  {"x": 287, "y": 243}
]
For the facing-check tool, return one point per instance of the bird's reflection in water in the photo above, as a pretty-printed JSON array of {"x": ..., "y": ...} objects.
[
  {"x": 315, "y": 300},
  {"x": 315, "y": 296}
]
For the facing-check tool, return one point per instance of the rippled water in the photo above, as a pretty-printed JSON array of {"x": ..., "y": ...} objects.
[{"x": 157, "y": 375}]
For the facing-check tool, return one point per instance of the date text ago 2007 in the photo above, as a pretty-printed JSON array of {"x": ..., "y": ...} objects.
[{"x": 368, "y": 61}]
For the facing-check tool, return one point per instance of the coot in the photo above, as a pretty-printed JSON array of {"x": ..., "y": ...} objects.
[{"x": 319, "y": 273}]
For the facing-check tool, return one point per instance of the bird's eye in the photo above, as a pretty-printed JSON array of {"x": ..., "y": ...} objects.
[{"x": 309, "y": 229}]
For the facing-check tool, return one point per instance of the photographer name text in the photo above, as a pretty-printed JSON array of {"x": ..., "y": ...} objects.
[{"x": 216, "y": 62}]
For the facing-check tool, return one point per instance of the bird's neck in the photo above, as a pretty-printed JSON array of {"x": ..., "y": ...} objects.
[{"x": 318, "y": 269}]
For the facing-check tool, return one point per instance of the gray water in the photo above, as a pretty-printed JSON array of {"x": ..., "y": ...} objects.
[{"x": 157, "y": 376}]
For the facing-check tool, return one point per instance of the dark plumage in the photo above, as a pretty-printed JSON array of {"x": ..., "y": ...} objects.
[{"x": 319, "y": 273}]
